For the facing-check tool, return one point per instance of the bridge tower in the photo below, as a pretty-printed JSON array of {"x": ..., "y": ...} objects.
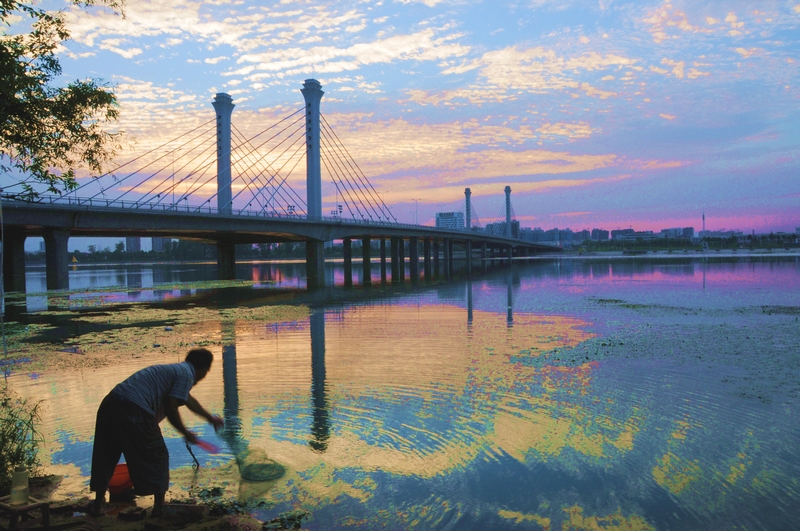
[
  {"x": 315, "y": 260},
  {"x": 312, "y": 92},
  {"x": 223, "y": 105},
  {"x": 468, "y": 216},
  {"x": 508, "y": 211}
]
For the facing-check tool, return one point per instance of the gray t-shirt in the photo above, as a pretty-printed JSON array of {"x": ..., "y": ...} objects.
[{"x": 150, "y": 387}]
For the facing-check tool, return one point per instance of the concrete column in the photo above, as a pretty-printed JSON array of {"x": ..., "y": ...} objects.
[
  {"x": 436, "y": 257},
  {"x": 396, "y": 242},
  {"x": 510, "y": 253},
  {"x": 226, "y": 261},
  {"x": 508, "y": 211},
  {"x": 223, "y": 105},
  {"x": 312, "y": 92},
  {"x": 402, "y": 260},
  {"x": 347, "y": 248},
  {"x": 14, "y": 260},
  {"x": 448, "y": 260},
  {"x": 56, "y": 258},
  {"x": 413, "y": 257},
  {"x": 426, "y": 257},
  {"x": 383, "y": 259},
  {"x": 315, "y": 264},
  {"x": 468, "y": 251},
  {"x": 484, "y": 253},
  {"x": 366, "y": 273},
  {"x": 468, "y": 213}
]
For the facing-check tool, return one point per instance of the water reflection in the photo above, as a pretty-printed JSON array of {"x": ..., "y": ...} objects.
[
  {"x": 320, "y": 429},
  {"x": 559, "y": 395}
]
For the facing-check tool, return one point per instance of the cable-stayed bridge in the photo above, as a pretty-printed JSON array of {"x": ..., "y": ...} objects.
[{"x": 213, "y": 184}]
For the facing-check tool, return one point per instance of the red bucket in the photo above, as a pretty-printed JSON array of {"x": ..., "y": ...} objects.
[{"x": 121, "y": 480}]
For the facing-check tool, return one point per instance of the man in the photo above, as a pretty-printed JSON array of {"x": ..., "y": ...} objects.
[{"x": 127, "y": 423}]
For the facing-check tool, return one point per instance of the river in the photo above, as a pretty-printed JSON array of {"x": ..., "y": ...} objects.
[{"x": 657, "y": 392}]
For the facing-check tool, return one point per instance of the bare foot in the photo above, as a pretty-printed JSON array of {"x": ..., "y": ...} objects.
[{"x": 97, "y": 509}]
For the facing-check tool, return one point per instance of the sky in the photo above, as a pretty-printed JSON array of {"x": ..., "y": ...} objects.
[{"x": 597, "y": 113}]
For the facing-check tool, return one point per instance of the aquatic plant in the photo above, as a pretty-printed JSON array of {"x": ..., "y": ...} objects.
[{"x": 19, "y": 438}]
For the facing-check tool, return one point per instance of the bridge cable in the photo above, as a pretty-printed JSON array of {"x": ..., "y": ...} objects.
[
  {"x": 273, "y": 174},
  {"x": 271, "y": 150},
  {"x": 279, "y": 189},
  {"x": 259, "y": 174},
  {"x": 362, "y": 199},
  {"x": 343, "y": 190},
  {"x": 208, "y": 152},
  {"x": 140, "y": 156},
  {"x": 192, "y": 189},
  {"x": 366, "y": 199},
  {"x": 147, "y": 165},
  {"x": 332, "y": 165},
  {"x": 357, "y": 166}
]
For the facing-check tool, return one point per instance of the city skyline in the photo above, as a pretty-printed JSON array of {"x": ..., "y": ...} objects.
[{"x": 596, "y": 113}]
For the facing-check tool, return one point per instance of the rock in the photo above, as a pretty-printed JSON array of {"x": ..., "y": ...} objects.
[{"x": 184, "y": 512}]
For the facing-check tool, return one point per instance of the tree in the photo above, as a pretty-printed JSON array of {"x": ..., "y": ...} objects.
[{"x": 48, "y": 131}]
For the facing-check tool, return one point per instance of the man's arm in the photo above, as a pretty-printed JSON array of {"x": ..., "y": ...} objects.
[
  {"x": 174, "y": 417},
  {"x": 195, "y": 407}
]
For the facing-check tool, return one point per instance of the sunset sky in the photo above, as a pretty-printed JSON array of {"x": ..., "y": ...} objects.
[{"x": 605, "y": 114}]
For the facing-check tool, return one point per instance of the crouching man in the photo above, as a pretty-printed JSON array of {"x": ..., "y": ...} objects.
[{"x": 127, "y": 423}]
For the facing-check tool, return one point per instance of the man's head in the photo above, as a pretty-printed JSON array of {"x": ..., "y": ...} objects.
[{"x": 201, "y": 358}]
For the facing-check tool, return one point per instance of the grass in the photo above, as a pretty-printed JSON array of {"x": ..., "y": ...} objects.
[{"x": 19, "y": 438}]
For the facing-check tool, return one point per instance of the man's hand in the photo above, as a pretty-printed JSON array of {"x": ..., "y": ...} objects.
[
  {"x": 217, "y": 422},
  {"x": 191, "y": 438}
]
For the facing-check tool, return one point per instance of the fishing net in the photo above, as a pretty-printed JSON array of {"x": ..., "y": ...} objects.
[
  {"x": 254, "y": 465},
  {"x": 253, "y": 462}
]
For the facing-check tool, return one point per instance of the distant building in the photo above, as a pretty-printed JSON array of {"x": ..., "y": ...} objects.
[
  {"x": 450, "y": 220},
  {"x": 599, "y": 235},
  {"x": 619, "y": 234},
  {"x": 797, "y": 230},
  {"x": 133, "y": 244},
  {"x": 582, "y": 235},
  {"x": 499, "y": 228}
]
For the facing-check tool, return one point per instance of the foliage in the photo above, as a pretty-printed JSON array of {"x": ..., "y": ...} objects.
[
  {"x": 49, "y": 131},
  {"x": 19, "y": 439}
]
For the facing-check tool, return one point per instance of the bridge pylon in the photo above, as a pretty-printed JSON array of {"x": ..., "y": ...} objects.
[
  {"x": 315, "y": 260},
  {"x": 223, "y": 105}
]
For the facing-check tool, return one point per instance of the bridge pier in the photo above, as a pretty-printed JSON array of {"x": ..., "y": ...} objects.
[
  {"x": 226, "y": 261},
  {"x": 426, "y": 258},
  {"x": 413, "y": 257},
  {"x": 468, "y": 251},
  {"x": 448, "y": 258},
  {"x": 383, "y": 260},
  {"x": 366, "y": 265},
  {"x": 14, "y": 262},
  {"x": 56, "y": 258},
  {"x": 436, "y": 258},
  {"x": 315, "y": 264},
  {"x": 347, "y": 250},
  {"x": 395, "y": 243},
  {"x": 401, "y": 260}
]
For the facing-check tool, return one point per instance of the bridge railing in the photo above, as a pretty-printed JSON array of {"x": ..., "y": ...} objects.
[{"x": 183, "y": 206}]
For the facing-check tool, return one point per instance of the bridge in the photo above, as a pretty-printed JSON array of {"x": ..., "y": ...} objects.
[{"x": 271, "y": 213}]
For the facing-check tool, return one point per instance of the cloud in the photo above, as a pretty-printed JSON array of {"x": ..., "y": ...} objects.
[
  {"x": 215, "y": 60},
  {"x": 572, "y": 131},
  {"x": 540, "y": 70},
  {"x": 420, "y": 46},
  {"x": 664, "y": 20},
  {"x": 667, "y": 116},
  {"x": 744, "y": 52}
]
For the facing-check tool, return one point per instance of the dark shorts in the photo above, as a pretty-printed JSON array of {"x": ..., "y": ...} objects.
[{"x": 122, "y": 427}]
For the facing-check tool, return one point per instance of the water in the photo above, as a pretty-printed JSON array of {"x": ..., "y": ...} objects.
[{"x": 652, "y": 393}]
